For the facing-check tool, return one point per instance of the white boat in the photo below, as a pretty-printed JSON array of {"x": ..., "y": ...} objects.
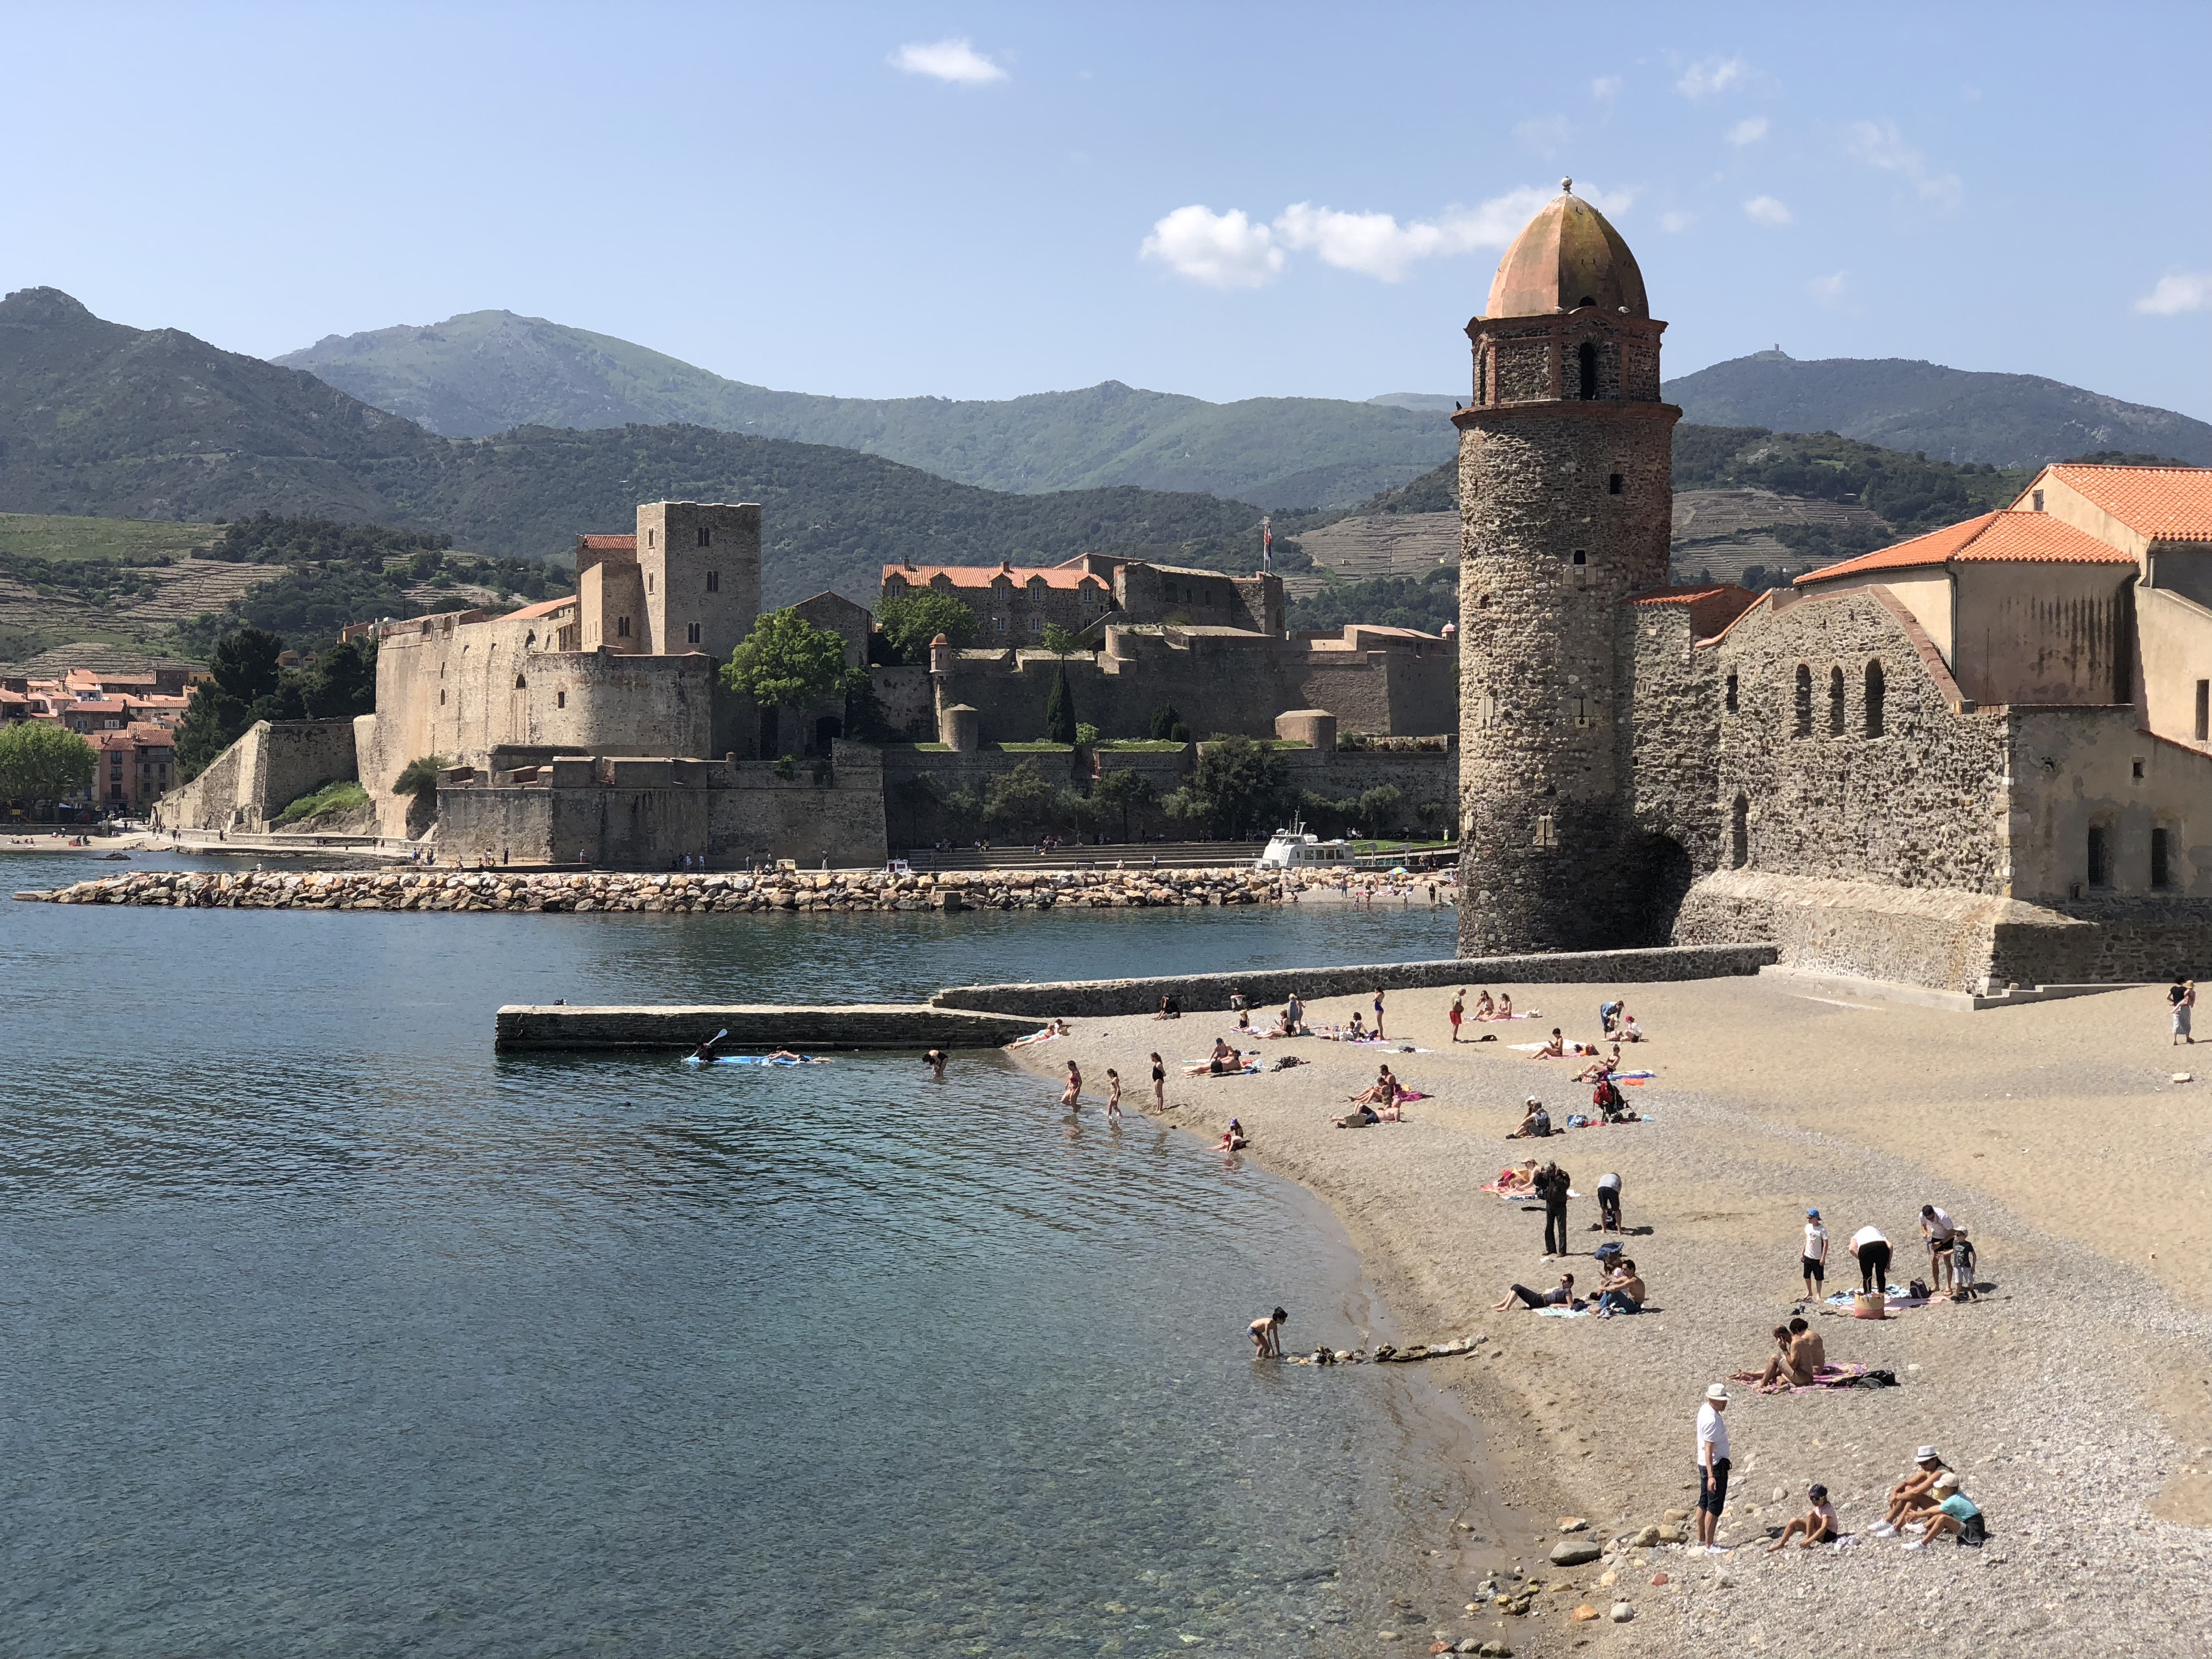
[{"x": 1298, "y": 848}]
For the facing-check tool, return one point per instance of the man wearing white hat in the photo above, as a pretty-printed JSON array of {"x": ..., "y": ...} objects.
[{"x": 1712, "y": 1466}]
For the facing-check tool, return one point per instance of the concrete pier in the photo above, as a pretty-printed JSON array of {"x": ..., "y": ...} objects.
[{"x": 755, "y": 1028}]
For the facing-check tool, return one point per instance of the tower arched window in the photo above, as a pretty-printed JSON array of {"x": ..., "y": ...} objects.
[
  {"x": 1836, "y": 703},
  {"x": 1586, "y": 357},
  {"x": 521, "y": 684},
  {"x": 1580, "y": 564},
  {"x": 1877, "y": 687},
  {"x": 1731, "y": 691},
  {"x": 1740, "y": 833},
  {"x": 1804, "y": 711},
  {"x": 1482, "y": 377}
]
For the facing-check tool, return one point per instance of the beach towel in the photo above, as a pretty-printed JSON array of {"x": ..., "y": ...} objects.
[
  {"x": 1632, "y": 1076},
  {"x": 1827, "y": 1378},
  {"x": 1564, "y": 1313},
  {"x": 1045, "y": 1036},
  {"x": 1411, "y": 1094}
]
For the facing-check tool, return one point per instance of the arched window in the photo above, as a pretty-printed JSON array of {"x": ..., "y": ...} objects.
[
  {"x": 1804, "y": 722},
  {"x": 520, "y": 684},
  {"x": 1731, "y": 691},
  {"x": 1836, "y": 703},
  {"x": 1587, "y": 355},
  {"x": 1482, "y": 377},
  {"x": 1739, "y": 834},
  {"x": 1874, "y": 688}
]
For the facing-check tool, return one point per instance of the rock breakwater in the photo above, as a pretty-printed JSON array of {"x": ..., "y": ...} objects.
[{"x": 588, "y": 892}]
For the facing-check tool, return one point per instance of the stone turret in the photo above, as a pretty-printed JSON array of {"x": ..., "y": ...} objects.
[{"x": 1566, "y": 503}]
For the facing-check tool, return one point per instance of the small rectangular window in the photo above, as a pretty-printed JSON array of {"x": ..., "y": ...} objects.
[
  {"x": 714, "y": 581},
  {"x": 2160, "y": 872},
  {"x": 559, "y": 699},
  {"x": 2203, "y": 710},
  {"x": 2039, "y": 501},
  {"x": 2136, "y": 766},
  {"x": 648, "y": 581},
  {"x": 1613, "y": 484},
  {"x": 2100, "y": 867},
  {"x": 1731, "y": 692},
  {"x": 622, "y": 627},
  {"x": 705, "y": 537},
  {"x": 693, "y": 637},
  {"x": 649, "y": 535}
]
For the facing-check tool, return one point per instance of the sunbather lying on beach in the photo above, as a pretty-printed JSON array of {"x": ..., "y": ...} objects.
[
  {"x": 1817, "y": 1525},
  {"x": 1518, "y": 1177},
  {"x": 1359, "y": 1117},
  {"x": 1561, "y": 1295}
]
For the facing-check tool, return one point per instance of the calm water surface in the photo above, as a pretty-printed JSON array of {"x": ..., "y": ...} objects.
[{"x": 328, "y": 1332}]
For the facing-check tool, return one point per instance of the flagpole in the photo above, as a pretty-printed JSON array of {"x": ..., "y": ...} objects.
[{"x": 1267, "y": 545}]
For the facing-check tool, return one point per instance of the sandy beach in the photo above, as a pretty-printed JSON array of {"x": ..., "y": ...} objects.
[{"x": 2074, "y": 1398}]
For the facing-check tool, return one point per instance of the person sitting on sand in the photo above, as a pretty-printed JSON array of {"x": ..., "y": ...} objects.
[
  {"x": 1954, "y": 1514},
  {"x": 1535, "y": 1124},
  {"x": 1485, "y": 1009},
  {"x": 1555, "y": 1049},
  {"x": 1504, "y": 1005},
  {"x": 1911, "y": 1492},
  {"x": 1804, "y": 1354},
  {"x": 1817, "y": 1525},
  {"x": 1232, "y": 1137},
  {"x": 1355, "y": 1031},
  {"x": 1517, "y": 1178},
  {"x": 1630, "y": 1031},
  {"x": 1561, "y": 1295},
  {"x": 1623, "y": 1290},
  {"x": 1596, "y": 1071},
  {"x": 1777, "y": 1364},
  {"x": 1169, "y": 1009},
  {"x": 1383, "y": 1093},
  {"x": 1268, "y": 1335}
]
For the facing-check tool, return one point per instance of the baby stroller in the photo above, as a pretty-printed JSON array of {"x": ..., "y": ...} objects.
[{"x": 1965, "y": 1266}]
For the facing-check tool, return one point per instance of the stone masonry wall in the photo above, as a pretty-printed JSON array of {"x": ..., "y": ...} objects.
[{"x": 268, "y": 767}]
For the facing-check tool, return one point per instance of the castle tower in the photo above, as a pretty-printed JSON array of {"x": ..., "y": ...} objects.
[
  {"x": 700, "y": 563},
  {"x": 1566, "y": 504}
]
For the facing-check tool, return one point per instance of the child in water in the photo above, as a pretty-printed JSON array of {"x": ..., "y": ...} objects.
[
  {"x": 1113, "y": 1095},
  {"x": 1268, "y": 1335}
]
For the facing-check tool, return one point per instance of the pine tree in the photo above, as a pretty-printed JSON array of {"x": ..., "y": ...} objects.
[{"x": 1060, "y": 710}]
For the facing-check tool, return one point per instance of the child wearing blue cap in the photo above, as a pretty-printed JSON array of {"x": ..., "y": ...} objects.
[{"x": 1816, "y": 1254}]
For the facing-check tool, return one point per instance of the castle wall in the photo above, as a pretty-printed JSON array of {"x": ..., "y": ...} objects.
[
  {"x": 2042, "y": 634},
  {"x": 270, "y": 766},
  {"x": 2173, "y": 647},
  {"x": 2075, "y": 769},
  {"x": 610, "y": 606},
  {"x": 701, "y": 566}
]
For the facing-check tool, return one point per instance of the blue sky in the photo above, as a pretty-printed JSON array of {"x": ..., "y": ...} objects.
[{"x": 1226, "y": 200}]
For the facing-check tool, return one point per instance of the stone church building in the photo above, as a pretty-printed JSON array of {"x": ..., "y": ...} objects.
[{"x": 1981, "y": 757}]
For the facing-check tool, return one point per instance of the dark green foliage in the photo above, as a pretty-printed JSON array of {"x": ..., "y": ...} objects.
[
  {"x": 419, "y": 777},
  {"x": 1235, "y": 792},
  {"x": 1388, "y": 601},
  {"x": 1911, "y": 492},
  {"x": 1124, "y": 790},
  {"x": 249, "y": 686},
  {"x": 917, "y": 796},
  {"x": 788, "y": 662},
  {"x": 1019, "y": 799},
  {"x": 864, "y": 721},
  {"x": 2125, "y": 458},
  {"x": 1060, "y": 709},
  {"x": 40, "y": 762},
  {"x": 343, "y": 682},
  {"x": 1436, "y": 491},
  {"x": 1167, "y": 726},
  {"x": 1824, "y": 544},
  {"x": 1382, "y": 809},
  {"x": 265, "y": 538},
  {"x": 87, "y": 581},
  {"x": 910, "y": 620}
]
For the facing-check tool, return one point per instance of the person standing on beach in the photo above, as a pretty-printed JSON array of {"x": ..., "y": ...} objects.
[
  {"x": 2183, "y": 1000},
  {"x": 1712, "y": 1467},
  {"x": 1268, "y": 1335},
  {"x": 1113, "y": 1095},
  {"x": 1072, "y": 1096},
  {"x": 1458, "y": 1012},
  {"x": 1552, "y": 1185},
  {"x": 1608, "y": 1203},
  {"x": 1159, "y": 1084},
  {"x": 1815, "y": 1261},
  {"x": 1938, "y": 1230},
  {"x": 1378, "y": 1013},
  {"x": 1872, "y": 1250}
]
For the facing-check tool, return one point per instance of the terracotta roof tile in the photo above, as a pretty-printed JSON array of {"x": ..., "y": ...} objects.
[
  {"x": 543, "y": 608},
  {"x": 2167, "y": 503},
  {"x": 983, "y": 575},
  {"x": 610, "y": 543},
  {"x": 2007, "y": 537},
  {"x": 1684, "y": 595}
]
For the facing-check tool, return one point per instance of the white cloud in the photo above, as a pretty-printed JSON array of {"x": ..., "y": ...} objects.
[
  {"x": 1221, "y": 249},
  {"x": 1606, "y": 86},
  {"x": 1880, "y": 144},
  {"x": 1829, "y": 290},
  {"x": 957, "y": 61},
  {"x": 1766, "y": 210},
  {"x": 1231, "y": 250},
  {"x": 1714, "y": 74},
  {"x": 1748, "y": 131},
  {"x": 1544, "y": 134},
  {"x": 2183, "y": 291},
  {"x": 1674, "y": 223}
]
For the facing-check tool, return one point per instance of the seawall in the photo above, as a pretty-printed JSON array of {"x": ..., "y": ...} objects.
[
  {"x": 1199, "y": 992},
  {"x": 852, "y": 1025}
]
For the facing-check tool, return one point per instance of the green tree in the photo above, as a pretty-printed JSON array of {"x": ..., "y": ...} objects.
[
  {"x": 1124, "y": 789},
  {"x": 245, "y": 685},
  {"x": 1017, "y": 798},
  {"x": 786, "y": 662},
  {"x": 419, "y": 777},
  {"x": 910, "y": 620},
  {"x": 343, "y": 682},
  {"x": 1381, "y": 807},
  {"x": 1235, "y": 790},
  {"x": 1064, "y": 642},
  {"x": 1060, "y": 709},
  {"x": 1167, "y": 726},
  {"x": 38, "y": 761}
]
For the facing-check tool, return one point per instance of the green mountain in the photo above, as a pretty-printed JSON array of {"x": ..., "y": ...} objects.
[
  {"x": 97, "y": 419},
  {"x": 1950, "y": 414},
  {"x": 486, "y": 372}
]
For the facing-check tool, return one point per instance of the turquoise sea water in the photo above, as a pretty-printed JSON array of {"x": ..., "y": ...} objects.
[{"x": 328, "y": 1332}]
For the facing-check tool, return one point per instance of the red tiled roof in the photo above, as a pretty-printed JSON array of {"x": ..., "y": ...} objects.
[
  {"x": 154, "y": 736},
  {"x": 1686, "y": 595},
  {"x": 610, "y": 543},
  {"x": 2167, "y": 503},
  {"x": 2007, "y": 537},
  {"x": 543, "y": 608},
  {"x": 983, "y": 575}
]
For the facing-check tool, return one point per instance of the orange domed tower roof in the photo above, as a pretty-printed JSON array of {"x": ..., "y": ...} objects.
[{"x": 1567, "y": 258}]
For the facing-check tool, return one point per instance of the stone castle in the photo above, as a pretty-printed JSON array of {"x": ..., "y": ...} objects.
[{"x": 1979, "y": 758}]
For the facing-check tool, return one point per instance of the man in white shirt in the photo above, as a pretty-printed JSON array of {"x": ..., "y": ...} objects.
[
  {"x": 1712, "y": 1467},
  {"x": 1815, "y": 1259},
  {"x": 1938, "y": 1229},
  {"x": 1872, "y": 1250}
]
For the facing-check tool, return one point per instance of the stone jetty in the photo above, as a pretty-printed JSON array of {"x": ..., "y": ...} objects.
[{"x": 589, "y": 892}]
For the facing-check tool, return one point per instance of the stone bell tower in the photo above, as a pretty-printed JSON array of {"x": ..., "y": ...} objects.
[{"x": 1566, "y": 503}]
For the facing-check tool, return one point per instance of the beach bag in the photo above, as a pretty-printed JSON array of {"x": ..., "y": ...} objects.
[
  {"x": 1576, "y": 1121},
  {"x": 1870, "y": 1304},
  {"x": 1917, "y": 1290}
]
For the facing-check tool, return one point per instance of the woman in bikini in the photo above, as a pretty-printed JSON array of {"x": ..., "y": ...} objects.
[
  {"x": 1232, "y": 1137},
  {"x": 1159, "y": 1084},
  {"x": 1113, "y": 1095},
  {"x": 1504, "y": 1005},
  {"x": 1072, "y": 1096},
  {"x": 1555, "y": 1049}
]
